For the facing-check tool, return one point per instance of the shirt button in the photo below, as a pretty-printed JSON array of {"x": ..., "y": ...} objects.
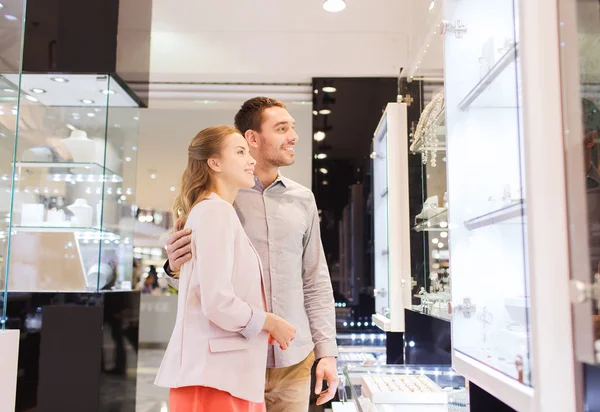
[
  {"x": 274, "y": 300},
  {"x": 268, "y": 217}
]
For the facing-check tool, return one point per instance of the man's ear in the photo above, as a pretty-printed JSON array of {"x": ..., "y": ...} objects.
[
  {"x": 214, "y": 164},
  {"x": 252, "y": 138},
  {"x": 591, "y": 138}
]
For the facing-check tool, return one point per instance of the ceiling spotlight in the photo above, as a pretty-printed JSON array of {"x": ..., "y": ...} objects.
[
  {"x": 321, "y": 156},
  {"x": 319, "y": 136},
  {"x": 10, "y": 17},
  {"x": 444, "y": 234},
  {"x": 325, "y": 111},
  {"x": 31, "y": 98},
  {"x": 329, "y": 89},
  {"x": 315, "y": 112},
  {"x": 106, "y": 91},
  {"x": 440, "y": 245},
  {"x": 59, "y": 80},
  {"x": 87, "y": 101},
  {"x": 128, "y": 159},
  {"x": 153, "y": 176},
  {"x": 91, "y": 114},
  {"x": 172, "y": 188},
  {"x": 316, "y": 91},
  {"x": 38, "y": 91},
  {"x": 435, "y": 240},
  {"x": 323, "y": 170},
  {"x": 334, "y": 6}
]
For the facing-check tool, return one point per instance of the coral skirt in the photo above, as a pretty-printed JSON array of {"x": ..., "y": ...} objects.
[{"x": 205, "y": 399}]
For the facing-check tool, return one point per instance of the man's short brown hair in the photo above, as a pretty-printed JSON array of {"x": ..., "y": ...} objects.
[{"x": 250, "y": 115}]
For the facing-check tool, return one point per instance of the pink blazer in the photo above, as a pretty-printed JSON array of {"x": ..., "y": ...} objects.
[{"x": 218, "y": 339}]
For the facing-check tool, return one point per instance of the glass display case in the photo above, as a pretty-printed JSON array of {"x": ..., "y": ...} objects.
[
  {"x": 391, "y": 219},
  {"x": 68, "y": 182},
  {"x": 486, "y": 181},
  {"x": 403, "y": 388},
  {"x": 582, "y": 116},
  {"x": 431, "y": 280},
  {"x": 12, "y": 23}
]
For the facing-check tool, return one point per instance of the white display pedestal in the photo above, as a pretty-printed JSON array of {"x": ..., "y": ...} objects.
[{"x": 9, "y": 348}]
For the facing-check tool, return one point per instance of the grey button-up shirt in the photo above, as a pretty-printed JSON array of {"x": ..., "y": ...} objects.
[{"x": 282, "y": 222}]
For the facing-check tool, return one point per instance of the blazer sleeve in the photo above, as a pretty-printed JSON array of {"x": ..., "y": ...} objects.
[{"x": 214, "y": 247}]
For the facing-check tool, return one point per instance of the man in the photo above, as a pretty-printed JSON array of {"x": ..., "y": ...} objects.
[{"x": 281, "y": 219}]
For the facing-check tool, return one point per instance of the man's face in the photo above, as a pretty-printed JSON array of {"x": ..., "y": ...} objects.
[{"x": 276, "y": 138}]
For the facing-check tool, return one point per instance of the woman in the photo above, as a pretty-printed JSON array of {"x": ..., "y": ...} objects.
[{"x": 217, "y": 355}]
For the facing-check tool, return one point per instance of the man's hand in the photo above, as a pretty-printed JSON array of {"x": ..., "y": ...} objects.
[
  {"x": 326, "y": 370},
  {"x": 179, "y": 248}
]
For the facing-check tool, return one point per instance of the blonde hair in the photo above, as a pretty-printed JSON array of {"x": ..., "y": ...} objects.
[{"x": 196, "y": 179}]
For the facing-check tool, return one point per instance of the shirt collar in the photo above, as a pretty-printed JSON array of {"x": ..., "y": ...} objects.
[{"x": 259, "y": 186}]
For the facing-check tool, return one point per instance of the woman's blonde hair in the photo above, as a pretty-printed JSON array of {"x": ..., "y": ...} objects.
[{"x": 196, "y": 180}]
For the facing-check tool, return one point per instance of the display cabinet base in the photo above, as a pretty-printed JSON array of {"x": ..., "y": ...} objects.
[
  {"x": 9, "y": 350},
  {"x": 394, "y": 348},
  {"x": 481, "y": 400},
  {"x": 77, "y": 351},
  {"x": 428, "y": 339}
]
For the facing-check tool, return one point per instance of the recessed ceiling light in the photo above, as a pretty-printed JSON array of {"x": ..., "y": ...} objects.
[
  {"x": 91, "y": 114},
  {"x": 316, "y": 91},
  {"x": 334, "y": 6},
  {"x": 325, "y": 111},
  {"x": 172, "y": 188},
  {"x": 59, "y": 80},
  {"x": 435, "y": 240},
  {"x": 440, "y": 245},
  {"x": 31, "y": 98},
  {"x": 444, "y": 234},
  {"x": 38, "y": 91},
  {"x": 323, "y": 170},
  {"x": 152, "y": 176},
  {"x": 315, "y": 112},
  {"x": 87, "y": 101},
  {"x": 319, "y": 136},
  {"x": 10, "y": 17},
  {"x": 128, "y": 159},
  {"x": 136, "y": 118},
  {"x": 329, "y": 89},
  {"x": 321, "y": 156},
  {"x": 106, "y": 91}
]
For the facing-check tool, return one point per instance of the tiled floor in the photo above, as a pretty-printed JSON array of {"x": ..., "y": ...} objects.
[{"x": 150, "y": 398}]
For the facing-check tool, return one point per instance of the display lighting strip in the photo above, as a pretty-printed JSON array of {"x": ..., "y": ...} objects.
[{"x": 79, "y": 178}]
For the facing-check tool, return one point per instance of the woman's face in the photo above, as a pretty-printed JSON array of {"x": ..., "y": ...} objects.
[{"x": 236, "y": 164}]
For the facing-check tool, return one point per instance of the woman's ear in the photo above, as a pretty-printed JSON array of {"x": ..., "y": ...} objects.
[{"x": 214, "y": 164}]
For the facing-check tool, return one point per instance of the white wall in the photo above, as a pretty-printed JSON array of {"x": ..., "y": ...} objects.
[{"x": 166, "y": 133}]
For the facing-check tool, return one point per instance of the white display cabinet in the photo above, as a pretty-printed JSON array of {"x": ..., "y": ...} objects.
[
  {"x": 391, "y": 219},
  {"x": 510, "y": 314}
]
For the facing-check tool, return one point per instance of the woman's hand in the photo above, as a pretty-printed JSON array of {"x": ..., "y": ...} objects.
[{"x": 280, "y": 331}]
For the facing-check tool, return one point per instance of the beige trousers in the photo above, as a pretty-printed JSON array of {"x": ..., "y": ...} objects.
[{"x": 288, "y": 389}]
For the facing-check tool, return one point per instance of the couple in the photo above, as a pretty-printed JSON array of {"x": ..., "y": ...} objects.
[{"x": 237, "y": 318}]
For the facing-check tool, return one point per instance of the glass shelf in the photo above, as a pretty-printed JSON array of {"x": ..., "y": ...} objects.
[
  {"x": 495, "y": 71},
  {"x": 438, "y": 223},
  {"x": 516, "y": 210},
  {"x": 78, "y": 172},
  {"x": 81, "y": 233}
]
